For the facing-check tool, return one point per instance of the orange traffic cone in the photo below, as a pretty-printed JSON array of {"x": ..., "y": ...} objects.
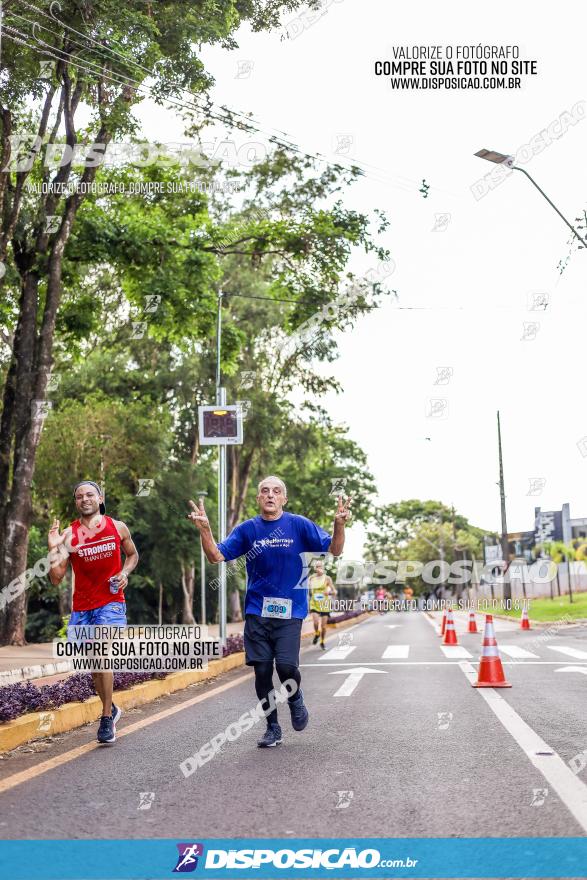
[
  {"x": 443, "y": 624},
  {"x": 450, "y": 634},
  {"x": 472, "y": 623},
  {"x": 525, "y": 622},
  {"x": 491, "y": 673}
]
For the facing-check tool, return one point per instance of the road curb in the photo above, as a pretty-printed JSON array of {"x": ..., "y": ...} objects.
[
  {"x": 29, "y": 673},
  {"x": 540, "y": 624},
  {"x": 535, "y": 624},
  {"x": 36, "y": 725}
]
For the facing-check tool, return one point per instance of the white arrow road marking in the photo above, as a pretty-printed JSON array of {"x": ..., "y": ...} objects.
[
  {"x": 515, "y": 651},
  {"x": 582, "y": 669},
  {"x": 338, "y": 653},
  {"x": 570, "y": 652},
  {"x": 396, "y": 652},
  {"x": 353, "y": 678},
  {"x": 454, "y": 651},
  {"x": 570, "y": 789}
]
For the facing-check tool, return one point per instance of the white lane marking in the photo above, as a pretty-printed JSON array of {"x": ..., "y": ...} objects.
[
  {"x": 570, "y": 652},
  {"x": 454, "y": 651},
  {"x": 570, "y": 789},
  {"x": 432, "y": 623},
  {"x": 339, "y": 653},
  {"x": 393, "y": 625},
  {"x": 439, "y": 663},
  {"x": 396, "y": 652},
  {"x": 582, "y": 669},
  {"x": 305, "y": 648},
  {"x": 353, "y": 678},
  {"x": 517, "y": 652}
]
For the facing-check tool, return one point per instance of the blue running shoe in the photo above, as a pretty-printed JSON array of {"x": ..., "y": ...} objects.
[
  {"x": 299, "y": 714},
  {"x": 116, "y": 713},
  {"x": 271, "y": 737},
  {"x": 106, "y": 731}
]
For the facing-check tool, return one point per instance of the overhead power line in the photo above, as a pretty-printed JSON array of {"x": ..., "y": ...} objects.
[{"x": 221, "y": 115}]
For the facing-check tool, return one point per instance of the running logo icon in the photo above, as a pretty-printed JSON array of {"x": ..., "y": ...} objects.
[{"x": 188, "y": 857}]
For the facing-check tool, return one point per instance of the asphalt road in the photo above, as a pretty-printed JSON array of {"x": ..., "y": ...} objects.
[{"x": 415, "y": 750}]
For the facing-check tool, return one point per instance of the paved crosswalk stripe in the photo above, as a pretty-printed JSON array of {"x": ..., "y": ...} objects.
[
  {"x": 338, "y": 653},
  {"x": 515, "y": 651},
  {"x": 454, "y": 651},
  {"x": 396, "y": 652},
  {"x": 570, "y": 652}
]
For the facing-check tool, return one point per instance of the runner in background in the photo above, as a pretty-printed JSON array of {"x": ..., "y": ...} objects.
[
  {"x": 92, "y": 545},
  {"x": 381, "y": 595},
  {"x": 322, "y": 591}
]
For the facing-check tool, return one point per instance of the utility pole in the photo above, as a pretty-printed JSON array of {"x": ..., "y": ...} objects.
[
  {"x": 221, "y": 401},
  {"x": 507, "y": 587},
  {"x": 202, "y": 576},
  {"x": 440, "y": 542}
]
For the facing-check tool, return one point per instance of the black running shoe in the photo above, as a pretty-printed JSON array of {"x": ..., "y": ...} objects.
[
  {"x": 106, "y": 731},
  {"x": 299, "y": 713},
  {"x": 323, "y": 646},
  {"x": 116, "y": 713},
  {"x": 271, "y": 737},
  {"x": 315, "y": 639}
]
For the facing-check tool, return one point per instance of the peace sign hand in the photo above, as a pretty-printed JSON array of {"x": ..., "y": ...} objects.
[
  {"x": 198, "y": 515},
  {"x": 55, "y": 539},
  {"x": 343, "y": 512}
]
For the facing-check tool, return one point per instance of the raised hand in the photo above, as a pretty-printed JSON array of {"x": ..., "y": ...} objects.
[
  {"x": 343, "y": 511},
  {"x": 198, "y": 515},
  {"x": 55, "y": 539}
]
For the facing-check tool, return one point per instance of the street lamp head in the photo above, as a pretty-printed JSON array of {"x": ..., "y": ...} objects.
[{"x": 498, "y": 158}]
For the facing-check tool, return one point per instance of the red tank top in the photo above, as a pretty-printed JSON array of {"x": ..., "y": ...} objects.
[{"x": 95, "y": 557}]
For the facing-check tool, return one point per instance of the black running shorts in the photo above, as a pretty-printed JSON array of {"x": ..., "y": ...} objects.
[{"x": 272, "y": 638}]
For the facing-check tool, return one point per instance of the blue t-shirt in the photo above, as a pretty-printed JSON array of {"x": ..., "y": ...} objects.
[{"x": 274, "y": 551}]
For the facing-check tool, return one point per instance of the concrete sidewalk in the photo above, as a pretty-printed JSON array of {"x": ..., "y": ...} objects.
[{"x": 36, "y": 662}]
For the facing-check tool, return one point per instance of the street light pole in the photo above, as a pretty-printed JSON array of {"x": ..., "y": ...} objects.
[
  {"x": 221, "y": 401},
  {"x": 202, "y": 585},
  {"x": 202, "y": 577},
  {"x": 507, "y": 587},
  {"x": 508, "y": 161},
  {"x": 542, "y": 193}
]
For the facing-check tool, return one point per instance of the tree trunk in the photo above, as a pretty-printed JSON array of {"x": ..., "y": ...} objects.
[
  {"x": 65, "y": 595},
  {"x": 239, "y": 488},
  {"x": 236, "y": 614},
  {"x": 160, "y": 606},
  {"x": 188, "y": 580},
  {"x": 24, "y": 396}
]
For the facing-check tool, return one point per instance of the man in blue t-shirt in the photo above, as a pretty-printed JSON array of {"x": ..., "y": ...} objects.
[{"x": 276, "y": 602}]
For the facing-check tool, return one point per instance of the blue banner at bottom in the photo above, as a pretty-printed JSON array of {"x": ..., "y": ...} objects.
[{"x": 286, "y": 858}]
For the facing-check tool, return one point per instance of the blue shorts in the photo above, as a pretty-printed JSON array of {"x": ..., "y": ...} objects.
[{"x": 111, "y": 614}]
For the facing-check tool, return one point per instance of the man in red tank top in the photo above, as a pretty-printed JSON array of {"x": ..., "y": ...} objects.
[{"x": 92, "y": 544}]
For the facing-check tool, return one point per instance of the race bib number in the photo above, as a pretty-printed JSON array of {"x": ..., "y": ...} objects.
[{"x": 276, "y": 608}]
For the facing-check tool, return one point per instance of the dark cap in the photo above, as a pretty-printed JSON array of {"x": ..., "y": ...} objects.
[{"x": 96, "y": 487}]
